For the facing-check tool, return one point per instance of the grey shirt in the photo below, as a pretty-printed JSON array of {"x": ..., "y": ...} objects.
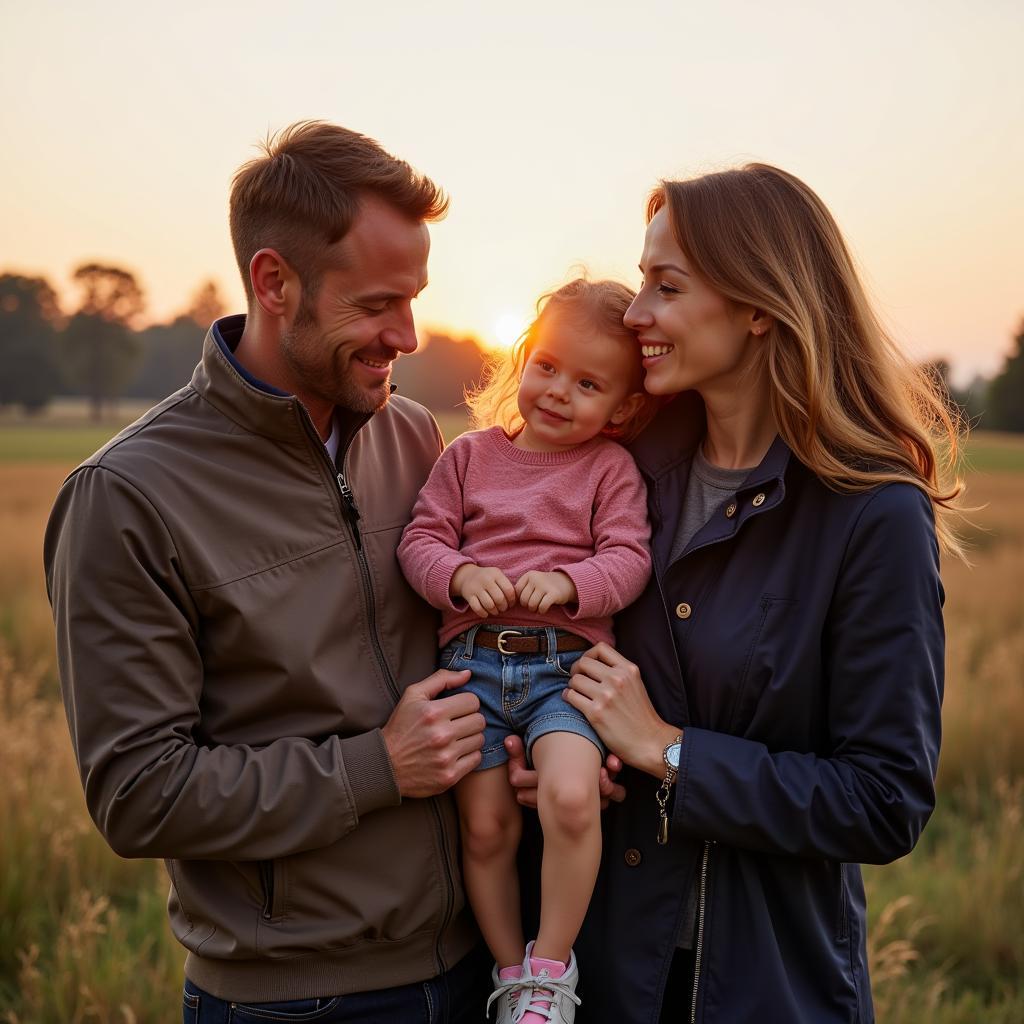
[{"x": 707, "y": 490}]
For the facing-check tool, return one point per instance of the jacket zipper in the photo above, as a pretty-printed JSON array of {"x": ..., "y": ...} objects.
[
  {"x": 701, "y": 906},
  {"x": 844, "y": 921},
  {"x": 351, "y": 515}
]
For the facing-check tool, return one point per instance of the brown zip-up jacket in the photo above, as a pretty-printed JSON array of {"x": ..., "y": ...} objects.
[{"x": 231, "y": 638}]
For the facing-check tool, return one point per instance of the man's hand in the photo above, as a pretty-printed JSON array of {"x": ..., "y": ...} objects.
[
  {"x": 524, "y": 781},
  {"x": 485, "y": 589},
  {"x": 538, "y": 591},
  {"x": 434, "y": 743}
]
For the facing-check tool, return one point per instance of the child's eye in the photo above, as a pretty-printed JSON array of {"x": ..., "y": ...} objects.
[
  {"x": 588, "y": 385},
  {"x": 546, "y": 367}
]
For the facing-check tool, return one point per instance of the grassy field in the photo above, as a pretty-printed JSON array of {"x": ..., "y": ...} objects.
[{"x": 83, "y": 934}]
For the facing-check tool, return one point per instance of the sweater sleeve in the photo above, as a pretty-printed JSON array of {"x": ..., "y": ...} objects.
[
  {"x": 616, "y": 574},
  {"x": 429, "y": 550},
  {"x": 131, "y": 670},
  {"x": 869, "y": 797}
]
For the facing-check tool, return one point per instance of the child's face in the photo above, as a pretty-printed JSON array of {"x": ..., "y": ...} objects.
[{"x": 575, "y": 383}]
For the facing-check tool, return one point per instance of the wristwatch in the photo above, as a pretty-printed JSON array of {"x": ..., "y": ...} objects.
[{"x": 670, "y": 755}]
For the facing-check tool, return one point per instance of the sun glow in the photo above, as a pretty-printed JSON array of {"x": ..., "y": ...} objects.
[{"x": 505, "y": 331}]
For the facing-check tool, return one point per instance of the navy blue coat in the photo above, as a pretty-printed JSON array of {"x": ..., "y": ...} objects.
[{"x": 799, "y": 643}]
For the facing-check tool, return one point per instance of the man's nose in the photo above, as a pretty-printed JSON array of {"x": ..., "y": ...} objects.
[{"x": 401, "y": 333}]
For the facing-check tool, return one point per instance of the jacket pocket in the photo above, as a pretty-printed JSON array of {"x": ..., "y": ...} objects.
[
  {"x": 760, "y": 660},
  {"x": 273, "y": 883}
]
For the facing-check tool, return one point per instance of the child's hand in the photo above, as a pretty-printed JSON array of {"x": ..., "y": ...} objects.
[
  {"x": 486, "y": 589},
  {"x": 538, "y": 591}
]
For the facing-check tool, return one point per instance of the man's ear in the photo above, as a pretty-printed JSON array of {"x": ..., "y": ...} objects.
[
  {"x": 627, "y": 408},
  {"x": 272, "y": 279}
]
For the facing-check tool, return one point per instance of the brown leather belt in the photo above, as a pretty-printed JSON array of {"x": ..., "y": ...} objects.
[{"x": 511, "y": 641}]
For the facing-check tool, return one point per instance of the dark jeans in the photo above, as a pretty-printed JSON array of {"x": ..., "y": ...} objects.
[{"x": 456, "y": 997}]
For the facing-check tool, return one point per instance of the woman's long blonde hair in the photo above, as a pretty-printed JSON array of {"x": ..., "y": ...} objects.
[
  {"x": 848, "y": 403},
  {"x": 599, "y": 306}
]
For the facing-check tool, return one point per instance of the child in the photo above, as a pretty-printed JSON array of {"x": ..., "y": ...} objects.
[{"x": 538, "y": 527}]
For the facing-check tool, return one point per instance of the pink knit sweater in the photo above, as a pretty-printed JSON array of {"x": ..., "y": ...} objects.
[{"x": 583, "y": 511}]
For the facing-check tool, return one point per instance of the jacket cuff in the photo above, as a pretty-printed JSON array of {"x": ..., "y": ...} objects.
[
  {"x": 590, "y": 585},
  {"x": 439, "y": 581},
  {"x": 371, "y": 779}
]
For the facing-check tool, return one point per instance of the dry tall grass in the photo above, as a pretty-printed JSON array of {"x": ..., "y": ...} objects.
[{"x": 83, "y": 934}]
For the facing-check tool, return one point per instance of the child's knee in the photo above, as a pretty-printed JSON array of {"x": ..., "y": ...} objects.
[
  {"x": 571, "y": 804},
  {"x": 487, "y": 834}
]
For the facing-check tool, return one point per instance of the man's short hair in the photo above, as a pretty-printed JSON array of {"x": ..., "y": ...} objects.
[{"x": 302, "y": 195}]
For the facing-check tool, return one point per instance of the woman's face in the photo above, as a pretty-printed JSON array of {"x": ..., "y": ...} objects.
[{"x": 691, "y": 336}]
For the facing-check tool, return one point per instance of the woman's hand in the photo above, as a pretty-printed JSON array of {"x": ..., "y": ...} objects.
[
  {"x": 609, "y": 691},
  {"x": 524, "y": 780}
]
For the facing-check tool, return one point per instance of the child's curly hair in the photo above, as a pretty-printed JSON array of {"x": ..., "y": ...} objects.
[{"x": 601, "y": 304}]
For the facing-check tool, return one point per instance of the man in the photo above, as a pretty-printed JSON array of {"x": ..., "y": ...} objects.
[{"x": 247, "y": 676}]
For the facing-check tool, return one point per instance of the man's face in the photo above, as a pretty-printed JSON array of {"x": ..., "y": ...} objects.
[{"x": 345, "y": 337}]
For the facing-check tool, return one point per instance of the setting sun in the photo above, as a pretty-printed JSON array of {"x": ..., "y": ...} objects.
[{"x": 505, "y": 331}]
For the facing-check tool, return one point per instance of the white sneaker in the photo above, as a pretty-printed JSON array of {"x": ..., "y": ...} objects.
[
  {"x": 551, "y": 999},
  {"x": 506, "y": 994}
]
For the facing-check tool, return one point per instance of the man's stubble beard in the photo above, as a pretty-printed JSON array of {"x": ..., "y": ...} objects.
[{"x": 304, "y": 350}]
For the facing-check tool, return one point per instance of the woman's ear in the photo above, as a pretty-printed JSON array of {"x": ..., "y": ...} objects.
[
  {"x": 761, "y": 322},
  {"x": 627, "y": 408}
]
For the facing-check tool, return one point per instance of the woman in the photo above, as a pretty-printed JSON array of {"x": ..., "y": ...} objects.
[{"x": 775, "y": 695}]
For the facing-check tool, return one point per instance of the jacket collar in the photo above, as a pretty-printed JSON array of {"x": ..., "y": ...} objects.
[
  {"x": 254, "y": 404},
  {"x": 664, "y": 452},
  {"x": 672, "y": 437}
]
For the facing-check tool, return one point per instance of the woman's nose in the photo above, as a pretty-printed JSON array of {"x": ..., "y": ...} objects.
[{"x": 636, "y": 316}]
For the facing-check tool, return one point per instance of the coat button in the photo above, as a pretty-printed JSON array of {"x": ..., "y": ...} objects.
[
  {"x": 758, "y": 500},
  {"x": 633, "y": 857},
  {"x": 683, "y": 610},
  {"x": 730, "y": 510}
]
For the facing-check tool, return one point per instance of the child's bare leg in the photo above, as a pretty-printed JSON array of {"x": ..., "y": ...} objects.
[
  {"x": 492, "y": 825},
  {"x": 570, "y": 815}
]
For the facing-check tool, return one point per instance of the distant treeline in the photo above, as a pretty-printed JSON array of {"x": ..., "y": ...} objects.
[{"x": 97, "y": 352}]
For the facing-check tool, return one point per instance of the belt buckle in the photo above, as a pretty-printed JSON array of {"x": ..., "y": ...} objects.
[{"x": 507, "y": 633}]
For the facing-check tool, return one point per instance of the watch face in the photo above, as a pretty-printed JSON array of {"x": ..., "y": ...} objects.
[{"x": 672, "y": 755}]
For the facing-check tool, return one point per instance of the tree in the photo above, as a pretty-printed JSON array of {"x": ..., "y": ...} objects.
[
  {"x": 206, "y": 305},
  {"x": 1005, "y": 404},
  {"x": 171, "y": 351},
  {"x": 437, "y": 375},
  {"x": 169, "y": 355},
  {"x": 29, "y": 317},
  {"x": 99, "y": 349}
]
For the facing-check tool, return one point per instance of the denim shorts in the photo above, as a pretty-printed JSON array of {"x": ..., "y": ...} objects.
[{"x": 520, "y": 694}]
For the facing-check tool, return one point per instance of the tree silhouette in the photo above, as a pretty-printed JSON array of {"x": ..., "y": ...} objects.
[
  {"x": 437, "y": 375},
  {"x": 1005, "y": 404},
  {"x": 29, "y": 317},
  {"x": 170, "y": 351},
  {"x": 206, "y": 305},
  {"x": 99, "y": 349}
]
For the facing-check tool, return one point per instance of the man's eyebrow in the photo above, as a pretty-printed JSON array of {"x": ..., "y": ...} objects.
[
  {"x": 385, "y": 296},
  {"x": 664, "y": 266}
]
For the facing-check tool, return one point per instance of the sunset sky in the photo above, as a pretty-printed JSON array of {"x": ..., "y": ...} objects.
[{"x": 548, "y": 123}]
